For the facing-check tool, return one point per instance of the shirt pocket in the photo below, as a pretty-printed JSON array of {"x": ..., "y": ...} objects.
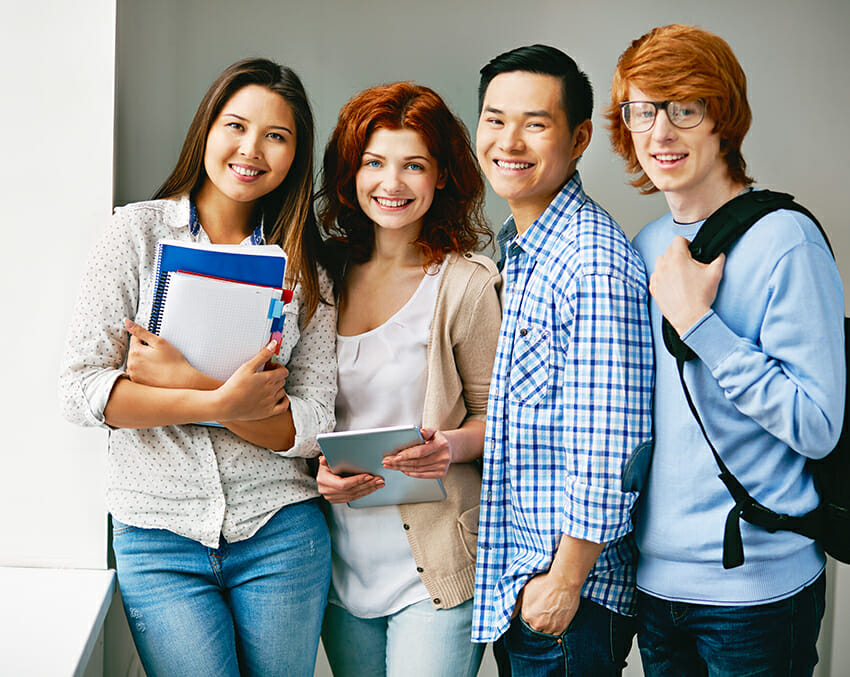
[{"x": 529, "y": 378}]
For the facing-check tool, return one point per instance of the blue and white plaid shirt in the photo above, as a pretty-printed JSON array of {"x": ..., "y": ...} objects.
[{"x": 570, "y": 398}]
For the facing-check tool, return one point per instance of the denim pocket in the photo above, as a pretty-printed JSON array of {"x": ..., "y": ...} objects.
[
  {"x": 119, "y": 528},
  {"x": 530, "y": 365},
  {"x": 527, "y": 629}
]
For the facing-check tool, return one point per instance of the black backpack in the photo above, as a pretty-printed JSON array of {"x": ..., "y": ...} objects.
[{"x": 829, "y": 523}]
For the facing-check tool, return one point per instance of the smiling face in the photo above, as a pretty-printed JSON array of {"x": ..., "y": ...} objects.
[
  {"x": 685, "y": 164},
  {"x": 396, "y": 180},
  {"x": 250, "y": 145},
  {"x": 524, "y": 143}
]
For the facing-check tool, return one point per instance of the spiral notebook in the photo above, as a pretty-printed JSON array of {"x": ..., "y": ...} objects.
[{"x": 263, "y": 265}]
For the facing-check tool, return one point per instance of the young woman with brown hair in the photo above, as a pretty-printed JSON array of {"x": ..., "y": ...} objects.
[{"x": 222, "y": 552}]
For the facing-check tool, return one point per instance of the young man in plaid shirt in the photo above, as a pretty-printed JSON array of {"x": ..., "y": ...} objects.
[{"x": 571, "y": 389}]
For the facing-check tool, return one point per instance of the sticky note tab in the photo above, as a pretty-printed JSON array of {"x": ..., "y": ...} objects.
[{"x": 275, "y": 309}]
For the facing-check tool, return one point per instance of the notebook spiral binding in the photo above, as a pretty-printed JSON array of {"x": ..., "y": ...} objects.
[{"x": 159, "y": 294}]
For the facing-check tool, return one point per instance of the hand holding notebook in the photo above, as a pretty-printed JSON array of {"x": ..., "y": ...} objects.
[{"x": 218, "y": 305}]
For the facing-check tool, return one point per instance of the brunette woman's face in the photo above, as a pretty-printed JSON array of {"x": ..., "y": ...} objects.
[
  {"x": 397, "y": 179},
  {"x": 251, "y": 145}
]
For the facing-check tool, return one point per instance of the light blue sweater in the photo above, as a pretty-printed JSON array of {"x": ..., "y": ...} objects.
[{"x": 769, "y": 386}]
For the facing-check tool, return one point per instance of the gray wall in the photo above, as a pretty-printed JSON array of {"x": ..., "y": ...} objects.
[{"x": 795, "y": 57}]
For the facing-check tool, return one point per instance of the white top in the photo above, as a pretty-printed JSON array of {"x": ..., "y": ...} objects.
[
  {"x": 381, "y": 382},
  {"x": 196, "y": 481}
]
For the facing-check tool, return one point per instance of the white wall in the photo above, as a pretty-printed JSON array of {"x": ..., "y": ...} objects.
[{"x": 56, "y": 183}]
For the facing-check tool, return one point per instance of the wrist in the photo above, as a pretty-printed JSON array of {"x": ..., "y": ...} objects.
[
  {"x": 450, "y": 443},
  {"x": 210, "y": 404},
  {"x": 201, "y": 381},
  {"x": 685, "y": 322},
  {"x": 565, "y": 582}
]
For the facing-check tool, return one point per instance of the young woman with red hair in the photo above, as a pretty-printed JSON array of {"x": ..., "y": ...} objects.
[{"x": 418, "y": 322}]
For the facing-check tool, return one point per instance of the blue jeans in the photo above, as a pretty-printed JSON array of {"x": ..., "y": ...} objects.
[
  {"x": 248, "y": 608},
  {"x": 418, "y": 641},
  {"x": 595, "y": 644},
  {"x": 769, "y": 640}
]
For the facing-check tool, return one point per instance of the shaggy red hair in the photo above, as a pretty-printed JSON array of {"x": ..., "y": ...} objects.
[
  {"x": 680, "y": 63},
  {"x": 454, "y": 223}
]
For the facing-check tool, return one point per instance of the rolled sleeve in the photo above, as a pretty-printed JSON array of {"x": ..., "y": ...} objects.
[
  {"x": 96, "y": 346},
  {"x": 607, "y": 402}
]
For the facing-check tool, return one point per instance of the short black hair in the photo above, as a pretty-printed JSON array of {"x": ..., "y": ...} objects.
[{"x": 576, "y": 91}]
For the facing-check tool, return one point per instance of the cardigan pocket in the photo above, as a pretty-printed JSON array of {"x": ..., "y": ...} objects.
[{"x": 467, "y": 529}]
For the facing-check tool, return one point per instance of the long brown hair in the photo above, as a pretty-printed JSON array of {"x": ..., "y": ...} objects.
[
  {"x": 288, "y": 217},
  {"x": 455, "y": 221}
]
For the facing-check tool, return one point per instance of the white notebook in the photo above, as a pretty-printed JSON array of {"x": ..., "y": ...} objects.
[{"x": 217, "y": 324}]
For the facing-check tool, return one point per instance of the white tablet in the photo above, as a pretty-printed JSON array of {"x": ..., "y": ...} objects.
[{"x": 357, "y": 451}]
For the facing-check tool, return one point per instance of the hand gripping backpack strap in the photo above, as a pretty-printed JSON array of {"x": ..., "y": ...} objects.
[{"x": 717, "y": 235}]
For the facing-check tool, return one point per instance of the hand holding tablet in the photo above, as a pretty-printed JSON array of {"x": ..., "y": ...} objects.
[{"x": 363, "y": 451}]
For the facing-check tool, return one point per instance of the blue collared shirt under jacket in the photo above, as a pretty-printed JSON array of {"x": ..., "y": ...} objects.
[{"x": 569, "y": 400}]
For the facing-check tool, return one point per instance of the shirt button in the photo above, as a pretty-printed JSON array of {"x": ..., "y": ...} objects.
[
  {"x": 523, "y": 332},
  {"x": 420, "y": 569},
  {"x": 436, "y": 600},
  {"x": 467, "y": 255},
  {"x": 407, "y": 526}
]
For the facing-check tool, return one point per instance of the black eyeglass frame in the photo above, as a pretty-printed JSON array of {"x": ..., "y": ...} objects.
[{"x": 660, "y": 105}]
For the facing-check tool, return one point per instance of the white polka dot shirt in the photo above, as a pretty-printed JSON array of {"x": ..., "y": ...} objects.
[{"x": 197, "y": 481}]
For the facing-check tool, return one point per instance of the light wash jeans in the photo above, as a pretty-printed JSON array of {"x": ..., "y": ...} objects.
[
  {"x": 248, "y": 608},
  {"x": 418, "y": 641}
]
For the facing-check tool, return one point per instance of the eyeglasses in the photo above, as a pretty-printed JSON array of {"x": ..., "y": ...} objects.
[{"x": 639, "y": 116}]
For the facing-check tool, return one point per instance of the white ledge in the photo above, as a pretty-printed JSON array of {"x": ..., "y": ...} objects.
[{"x": 50, "y": 619}]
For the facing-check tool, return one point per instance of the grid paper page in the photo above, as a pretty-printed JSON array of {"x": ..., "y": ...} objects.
[{"x": 216, "y": 324}]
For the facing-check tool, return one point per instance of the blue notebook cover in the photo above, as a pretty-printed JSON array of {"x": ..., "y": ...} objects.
[{"x": 263, "y": 265}]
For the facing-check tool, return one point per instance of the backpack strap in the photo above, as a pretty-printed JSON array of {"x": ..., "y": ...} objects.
[
  {"x": 718, "y": 234},
  {"x": 746, "y": 507},
  {"x": 721, "y": 231}
]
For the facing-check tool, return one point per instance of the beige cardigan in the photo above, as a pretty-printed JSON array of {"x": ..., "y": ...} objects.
[{"x": 461, "y": 351}]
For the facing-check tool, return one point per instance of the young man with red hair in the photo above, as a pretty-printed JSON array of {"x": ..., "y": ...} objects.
[{"x": 766, "y": 325}]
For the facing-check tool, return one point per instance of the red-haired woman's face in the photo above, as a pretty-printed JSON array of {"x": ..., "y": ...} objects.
[{"x": 397, "y": 179}]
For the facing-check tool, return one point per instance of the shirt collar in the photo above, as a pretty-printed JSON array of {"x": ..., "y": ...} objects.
[
  {"x": 256, "y": 236},
  {"x": 506, "y": 233},
  {"x": 548, "y": 228}
]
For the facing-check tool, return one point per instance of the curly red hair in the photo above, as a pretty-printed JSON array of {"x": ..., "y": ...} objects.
[
  {"x": 677, "y": 63},
  {"x": 454, "y": 223}
]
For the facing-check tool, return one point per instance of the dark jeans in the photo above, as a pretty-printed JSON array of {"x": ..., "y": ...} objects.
[
  {"x": 595, "y": 644},
  {"x": 767, "y": 640}
]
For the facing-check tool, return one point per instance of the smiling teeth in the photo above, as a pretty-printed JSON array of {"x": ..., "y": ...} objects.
[
  {"x": 243, "y": 171},
  {"x": 384, "y": 202},
  {"x": 669, "y": 158},
  {"x": 513, "y": 165}
]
